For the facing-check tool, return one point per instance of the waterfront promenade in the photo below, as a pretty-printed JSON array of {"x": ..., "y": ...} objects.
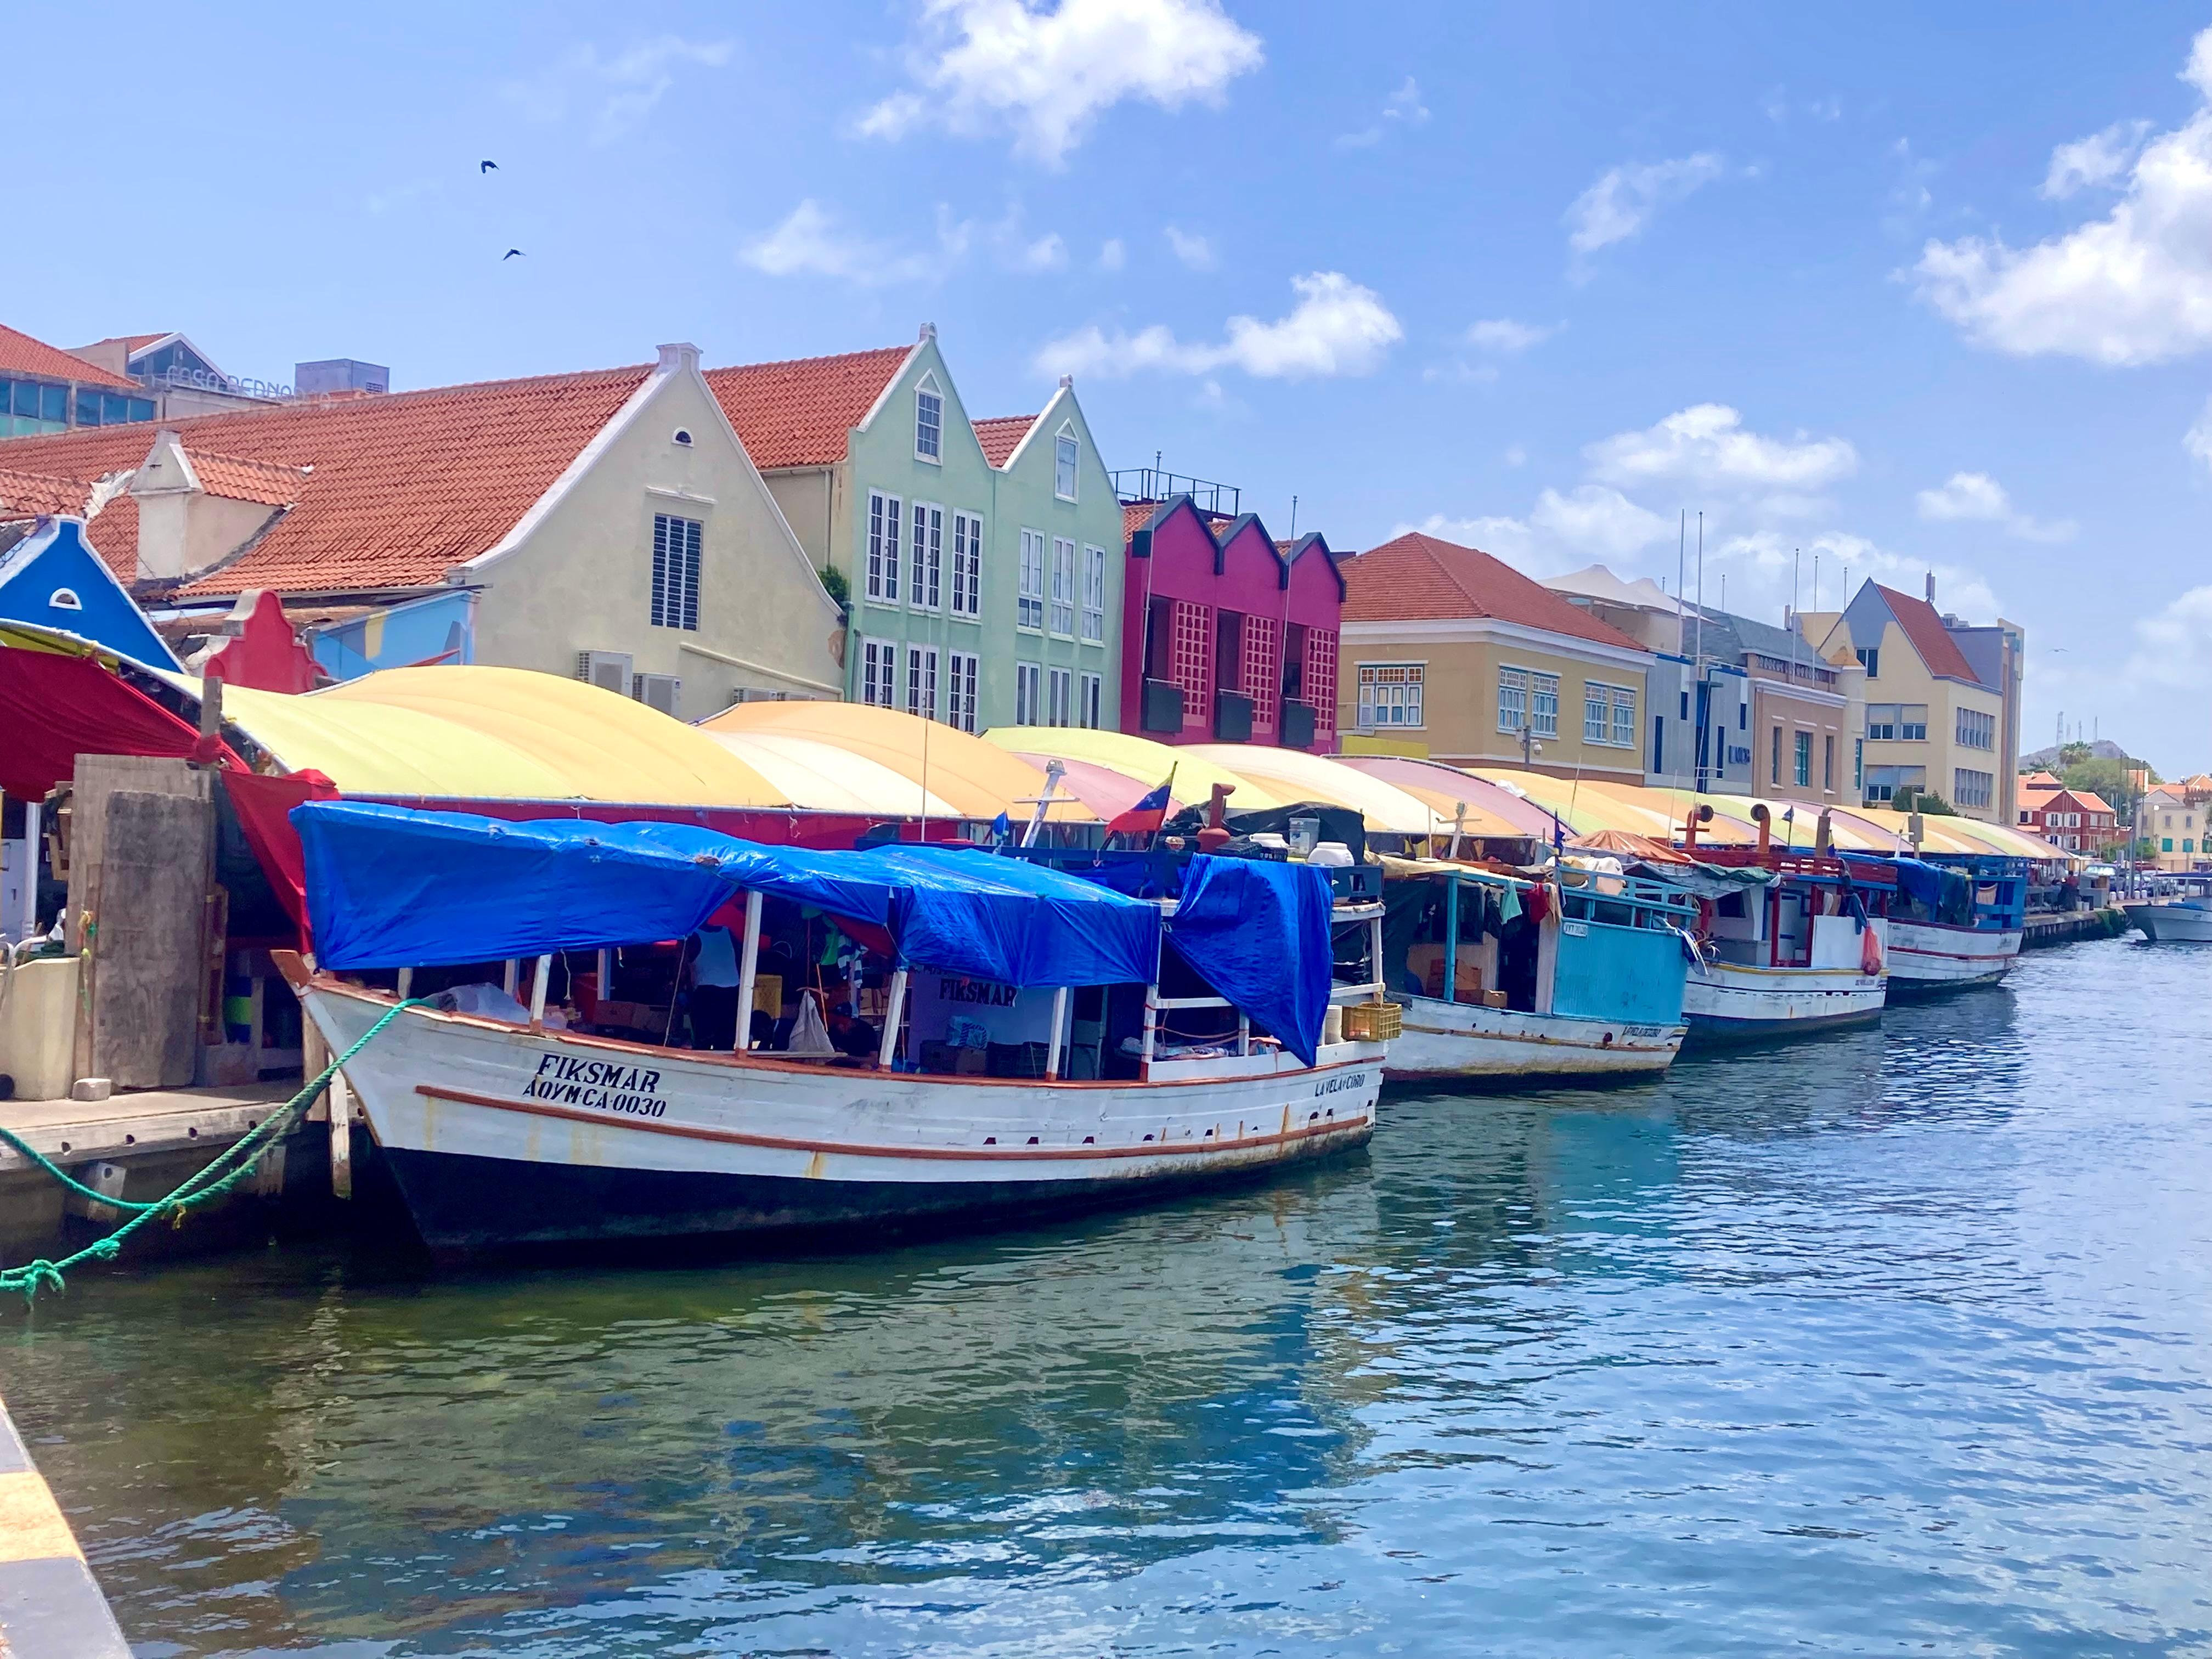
[{"x": 1886, "y": 1337}]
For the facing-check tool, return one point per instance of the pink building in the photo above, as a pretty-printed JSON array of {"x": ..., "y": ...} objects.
[{"x": 1228, "y": 635}]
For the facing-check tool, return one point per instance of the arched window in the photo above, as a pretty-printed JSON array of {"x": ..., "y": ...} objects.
[{"x": 66, "y": 598}]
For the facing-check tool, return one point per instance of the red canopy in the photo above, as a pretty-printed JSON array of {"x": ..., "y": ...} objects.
[{"x": 55, "y": 708}]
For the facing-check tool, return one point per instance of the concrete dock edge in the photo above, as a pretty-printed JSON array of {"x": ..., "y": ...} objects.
[{"x": 50, "y": 1606}]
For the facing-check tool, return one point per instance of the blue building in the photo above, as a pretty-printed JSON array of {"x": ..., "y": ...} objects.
[{"x": 53, "y": 578}]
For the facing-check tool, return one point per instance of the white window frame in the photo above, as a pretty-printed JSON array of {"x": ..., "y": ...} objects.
[
  {"x": 1029, "y": 608},
  {"x": 920, "y": 691},
  {"x": 677, "y": 545},
  {"x": 1028, "y": 693},
  {"x": 1624, "y": 717},
  {"x": 962, "y": 670},
  {"x": 1512, "y": 688},
  {"x": 924, "y": 557},
  {"x": 928, "y": 392},
  {"x": 967, "y": 594},
  {"x": 880, "y": 673},
  {"x": 1409, "y": 694},
  {"x": 1094, "y": 594},
  {"x": 881, "y": 552},
  {"x": 1597, "y": 712},
  {"x": 1090, "y": 702},
  {"x": 1061, "y": 615},
  {"x": 1059, "y": 696},
  {"x": 1540, "y": 686},
  {"x": 1067, "y": 453}
]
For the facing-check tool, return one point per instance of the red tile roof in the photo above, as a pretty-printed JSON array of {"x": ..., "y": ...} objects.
[
  {"x": 1135, "y": 515},
  {"x": 798, "y": 413},
  {"x": 113, "y": 534},
  {"x": 1419, "y": 578},
  {"x": 403, "y": 486},
  {"x": 23, "y": 354},
  {"x": 1939, "y": 652},
  {"x": 1002, "y": 434},
  {"x": 27, "y": 495},
  {"x": 239, "y": 479}
]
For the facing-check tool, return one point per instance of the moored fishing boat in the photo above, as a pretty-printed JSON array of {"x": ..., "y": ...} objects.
[
  {"x": 1506, "y": 980},
  {"x": 1801, "y": 951},
  {"x": 2185, "y": 922},
  {"x": 1953, "y": 920},
  {"x": 502, "y": 1132}
]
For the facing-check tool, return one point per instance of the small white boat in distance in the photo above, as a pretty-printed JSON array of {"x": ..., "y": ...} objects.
[
  {"x": 2188, "y": 922},
  {"x": 501, "y": 1133}
]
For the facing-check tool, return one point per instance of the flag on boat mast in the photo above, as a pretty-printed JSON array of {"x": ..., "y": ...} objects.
[{"x": 1149, "y": 812}]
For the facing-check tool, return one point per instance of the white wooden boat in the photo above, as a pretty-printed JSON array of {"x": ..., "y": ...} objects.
[
  {"x": 1927, "y": 956},
  {"x": 498, "y": 1135},
  {"x": 1598, "y": 982},
  {"x": 1944, "y": 936},
  {"x": 1801, "y": 955},
  {"x": 2188, "y": 922},
  {"x": 501, "y": 1133}
]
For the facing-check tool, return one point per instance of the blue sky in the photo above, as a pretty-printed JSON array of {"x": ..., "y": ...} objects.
[{"x": 1910, "y": 289}]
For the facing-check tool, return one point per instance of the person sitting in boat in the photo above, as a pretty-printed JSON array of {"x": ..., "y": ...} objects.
[
  {"x": 713, "y": 953},
  {"x": 854, "y": 1035}
]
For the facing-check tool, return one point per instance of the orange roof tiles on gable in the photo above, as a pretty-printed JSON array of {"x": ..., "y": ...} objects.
[
  {"x": 1002, "y": 434},
  {"x": 1135, "y": 515},
  {"x": 25, "y": 356},
  {"x": 29, "y": 494},
  {"x": 1938, "y": 651},
  {"x": 403, "y": 486},
  {"x": 239, "y": 479},
  {"x": 1418, "y": 578},
  {"x": 798, "y": 413}
]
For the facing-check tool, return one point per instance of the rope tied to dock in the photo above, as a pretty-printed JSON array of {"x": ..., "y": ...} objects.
[{"x": 236, "y": 1164}]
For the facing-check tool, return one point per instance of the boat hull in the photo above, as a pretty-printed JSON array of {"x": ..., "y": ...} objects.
[
  {"x": 1926, "y": 957},
  {"x": 1481, "y": 1047},
  {"x": 2171, "y": 924},
  {"x": 500, "y": 1137},
  {"x": 1725, "y": 1002}
]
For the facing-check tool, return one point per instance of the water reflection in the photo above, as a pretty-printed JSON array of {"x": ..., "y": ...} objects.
[{"x": 1897, "y": 1336}]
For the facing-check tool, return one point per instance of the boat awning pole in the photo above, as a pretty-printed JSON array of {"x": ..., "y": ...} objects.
[
  {"x": 1451, "y": 942},
  {"x": 1058, "y": 1019},
  {"x": 896, "y": 1006},
  {"x": 747, "y": 966},
  {"x": 539, "y": 980}
]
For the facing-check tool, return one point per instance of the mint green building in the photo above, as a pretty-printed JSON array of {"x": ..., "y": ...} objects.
[{"x": 982, "y": 559}]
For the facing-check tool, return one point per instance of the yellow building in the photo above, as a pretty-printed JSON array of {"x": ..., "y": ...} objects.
[
  {"x": 1942, "y": 703},
  {"x": 1445, "y": 646},
  {"x": 2176, "y": 820}
]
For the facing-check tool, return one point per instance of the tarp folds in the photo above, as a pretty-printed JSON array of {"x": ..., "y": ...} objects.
[
  {"x": 388, "y": 887},
  {"x": 1260, "y": 935}
]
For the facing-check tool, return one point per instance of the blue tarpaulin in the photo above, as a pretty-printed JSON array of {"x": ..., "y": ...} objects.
[
  {"x": 389, "y": 887},
  {"x": 1259, "y": 931}
]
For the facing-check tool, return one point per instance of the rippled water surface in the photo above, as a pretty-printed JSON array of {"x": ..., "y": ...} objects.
[{"x": 1900, "y": 1341}]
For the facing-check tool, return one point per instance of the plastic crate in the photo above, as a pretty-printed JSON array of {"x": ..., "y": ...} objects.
[{"x": 1373, "y": 1022}]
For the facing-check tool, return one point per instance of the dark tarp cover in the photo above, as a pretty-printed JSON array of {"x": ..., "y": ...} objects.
[
  {"x": 1339, "y": 823},
  {"x": 1945, "y": 894},
  {"x": 1260, "y": 935},
  {"x": 391, "y": 887}
]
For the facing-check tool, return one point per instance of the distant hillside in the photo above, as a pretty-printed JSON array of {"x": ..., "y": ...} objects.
[{"x": 2046, "y": 760}]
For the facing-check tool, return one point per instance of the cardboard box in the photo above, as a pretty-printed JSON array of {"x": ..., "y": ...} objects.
[
  {"x": 1493, "y": 1000},
  {"x": 1428, "y": 962}
]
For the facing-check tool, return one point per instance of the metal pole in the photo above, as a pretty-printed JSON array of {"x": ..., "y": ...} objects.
[
  {"x": 747, "y": 966},
  {"x": 1451, "y": 942},
  {"x": 891, "y": 1018},
  {"x": 33, "y": 812},
  {"x": 1058, "y": 1020}
]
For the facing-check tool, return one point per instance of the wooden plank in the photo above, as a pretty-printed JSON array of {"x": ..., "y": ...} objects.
[{"x": 147, "y": 945}]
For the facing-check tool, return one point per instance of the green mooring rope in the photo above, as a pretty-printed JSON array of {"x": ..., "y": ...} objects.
[{"x": 236, "y": 1163}]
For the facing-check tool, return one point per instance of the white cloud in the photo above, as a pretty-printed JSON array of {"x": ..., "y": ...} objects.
[
  {"x": 1193, "y": 249},
  {"x": 1765, "y": 570},
  {"x": 1050, "y": 74},
  {"x": 2133, "y": 287},
  {"x": 1515, "y": 455},
  {"x": 2095, "y": 161},
  {"x": 1976, "y": 497},
  {"x": 810, "y": 242},
  {"x": 2198, "y": 440},
  {"x": 1337, "y": 328},
  {"x": 618, "y": 92},
  {"x": 1046, "y": 252},
  {"x": 1625, "y": 199},
  {"x": 1403, "y": 108},
  {"x": 1505, "y": 336},
  {"x": 1708, "y": 446},
  {"x": 1112, "y": 256},
  {"x": 2173, "y": 648},
  {"x": 1561, "y": 532}
]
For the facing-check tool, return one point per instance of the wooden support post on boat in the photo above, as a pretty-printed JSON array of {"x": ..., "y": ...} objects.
[
  {"x": 1058, "y": 1019},
  {"x": 1451, "y": 941},
  {"x": 1243, "y": 1032},
  {"x": 341, "y": 1106},
  {"x": 1151, "y": 1026},
  {"x": 891, "y": 1012},
  {"x": 748, "y": 971},
  {"x": 406, "y": 983},
  {"x": 510, "y": 979},
  {"x": 538, "y": 982}
]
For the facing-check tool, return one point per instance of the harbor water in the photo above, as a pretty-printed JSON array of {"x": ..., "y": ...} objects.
[{"x": 1897, "y": 1339}]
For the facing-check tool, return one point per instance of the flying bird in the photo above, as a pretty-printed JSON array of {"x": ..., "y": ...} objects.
[
  {"x": 487, "y": 166},
  {"x": 511, "y": 253}
]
